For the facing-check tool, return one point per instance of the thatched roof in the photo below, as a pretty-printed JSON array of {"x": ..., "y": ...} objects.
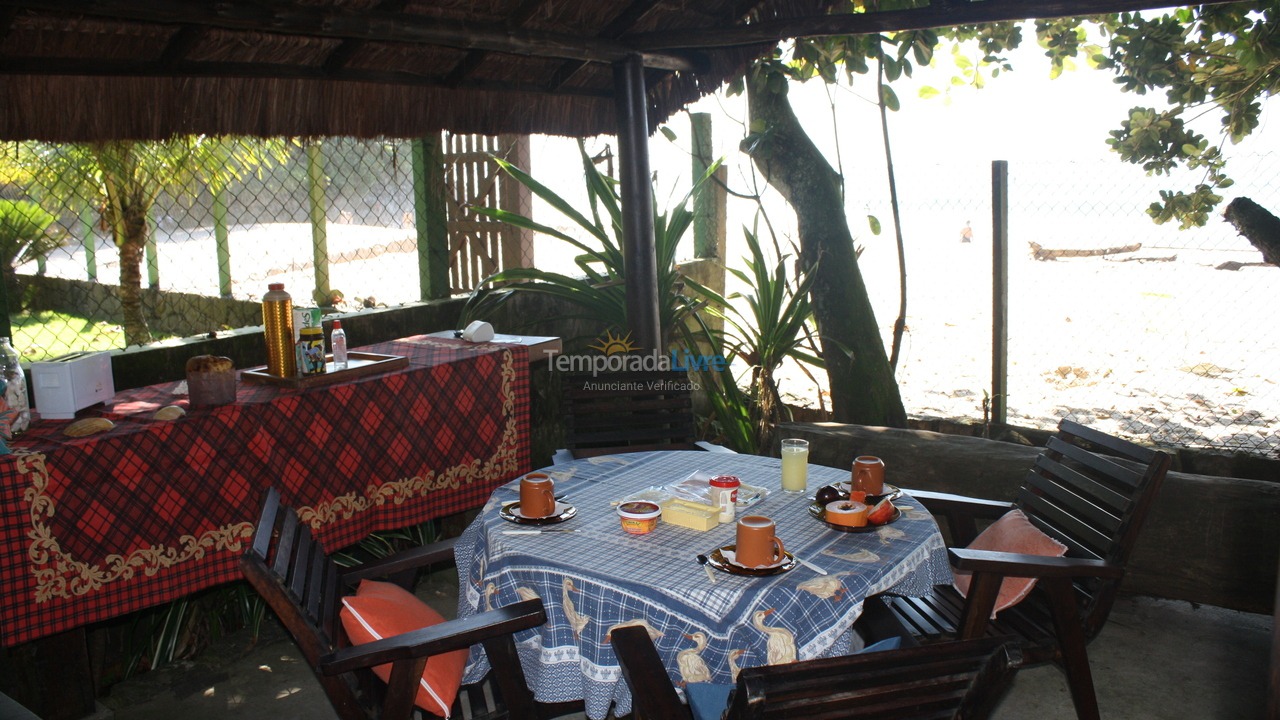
[
  {"x": 76, "y": 70},
  {"x": 73, "y": 71}
]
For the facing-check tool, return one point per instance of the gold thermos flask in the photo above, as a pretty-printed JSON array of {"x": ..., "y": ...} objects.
[{"x": 277, "y": 322}]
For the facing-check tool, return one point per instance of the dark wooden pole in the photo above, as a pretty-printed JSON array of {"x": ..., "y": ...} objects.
[
  {"x": 639, "y": 256},
  {"x": 431, "y": 224},
  {"x": 999, "y": 292}
]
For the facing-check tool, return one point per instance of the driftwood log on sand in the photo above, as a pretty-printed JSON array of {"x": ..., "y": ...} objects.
[{"x": 1043, "y": 253}]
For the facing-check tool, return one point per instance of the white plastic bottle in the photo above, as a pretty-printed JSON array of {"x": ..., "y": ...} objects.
[
  {"x": 338, "y": 341},
  {"x": 15, "y": 390}
]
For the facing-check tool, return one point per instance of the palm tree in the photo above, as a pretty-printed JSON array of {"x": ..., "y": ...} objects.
[
  {"x": 27, "y": 233},
  {"x": 123, "y": 179}
]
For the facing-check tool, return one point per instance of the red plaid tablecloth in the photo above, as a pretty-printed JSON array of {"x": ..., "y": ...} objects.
[{"x": 96, "y": 527}]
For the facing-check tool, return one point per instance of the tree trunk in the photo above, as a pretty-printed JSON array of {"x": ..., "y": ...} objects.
[
  {"x": 863, "y": 389},
  {"x": 1257, "y": 226},
  {"x": 133, "y": 225}
]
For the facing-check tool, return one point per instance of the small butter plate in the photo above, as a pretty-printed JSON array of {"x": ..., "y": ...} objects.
[
  {"x": 511, "y": 513},
  {"x": 721, "y": 559}
]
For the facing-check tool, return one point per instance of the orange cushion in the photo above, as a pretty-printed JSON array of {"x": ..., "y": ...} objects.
[
  {"x": 380, "y": 610},
  {"x": 1012, "y": 533}
]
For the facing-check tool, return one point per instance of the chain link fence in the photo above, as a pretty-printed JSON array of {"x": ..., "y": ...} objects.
[
  {"x": 334, "y": 220},
  {"x": 1156, "y": 342},
  {"x": 1166, "y": 335}
]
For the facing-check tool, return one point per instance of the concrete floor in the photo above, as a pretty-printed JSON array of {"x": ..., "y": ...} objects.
[{"x": 1155, "y": 659}]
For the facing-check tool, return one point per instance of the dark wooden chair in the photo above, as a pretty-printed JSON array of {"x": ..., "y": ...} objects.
[
  {"x": 304, "y": 587},
  {"x": 609, "y": 413},
  {"x": 1089, "y": 501},
  {"x": 944, "y": 680}
]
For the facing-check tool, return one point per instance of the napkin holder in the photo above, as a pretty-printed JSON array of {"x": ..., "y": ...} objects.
[{"x": 66, "y": 385}]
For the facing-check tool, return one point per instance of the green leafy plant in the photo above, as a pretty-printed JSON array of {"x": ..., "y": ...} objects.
[
  {"x": 28, "y": 233},
  {"x": 770, "y": 330},
  {"x": 599, "y": 295}
]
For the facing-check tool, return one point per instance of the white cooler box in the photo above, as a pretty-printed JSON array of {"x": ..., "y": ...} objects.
[{"x": 70, "y": 383}]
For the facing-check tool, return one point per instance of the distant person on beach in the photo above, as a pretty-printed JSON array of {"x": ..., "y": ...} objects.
[{"x": 966, "y": 233}]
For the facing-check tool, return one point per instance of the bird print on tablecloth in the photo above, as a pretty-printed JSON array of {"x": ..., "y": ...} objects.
[
  {"x": 781, "y": 645},
  {"x": 693, "y": 669},
  {"x": 889, "y": 534},
  {"x": 862, "y": 556},
  {"x": 734, "y": 654},
  {"x": 576, "y": 621},
  {"x": 653, "y": 632},
  {"x": 825, "y": 587},
  {"x": 525, "y": 593}
]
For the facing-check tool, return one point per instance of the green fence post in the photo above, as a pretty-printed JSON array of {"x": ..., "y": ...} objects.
[
  {"x": 999, "y": 293},
  {"x": 153, "y": 257},
  {"x": 431, "y": 223},
  {"x": 89, "y": 239},
  {"x": 317, "y": 183},
  {"x": 222, "y": 239},
  {"x": 709, "y": 210}
]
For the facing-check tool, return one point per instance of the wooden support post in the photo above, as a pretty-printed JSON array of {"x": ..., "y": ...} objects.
[
  {"x": 431, "y": 221},
  {"x": 513, "y": 196},
  {"x": 88, "y": 221},
  {"x": 222, "y": 241},
  {"x": 999, "y": 293},
  {"x": 709, "y": 210},
  {"x": 640, "y": 259},
  {"x": 153, "y": 259},
  {"x": 316, "y": 185}
]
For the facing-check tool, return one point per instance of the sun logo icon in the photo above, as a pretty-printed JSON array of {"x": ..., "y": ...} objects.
[{"x": 612, "y": 344}]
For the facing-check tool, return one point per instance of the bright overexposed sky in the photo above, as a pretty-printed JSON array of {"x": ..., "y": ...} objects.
[{"x": 1023, "y": 116}]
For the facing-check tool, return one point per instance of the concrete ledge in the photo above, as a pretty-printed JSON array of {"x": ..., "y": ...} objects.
[{"x": 1209, "y": 540}]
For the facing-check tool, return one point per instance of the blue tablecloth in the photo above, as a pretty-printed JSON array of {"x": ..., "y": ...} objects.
[{"x": 600, "y": 577}]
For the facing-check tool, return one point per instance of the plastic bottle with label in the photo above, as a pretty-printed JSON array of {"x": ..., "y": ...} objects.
[
  {"x": 338, "y": 342},
  {"x": 15, "y": 389}
]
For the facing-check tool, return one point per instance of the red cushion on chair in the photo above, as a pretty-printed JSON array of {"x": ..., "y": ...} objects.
[
  {"x": 380, "y": 610},
  {"x": 1012, "y": 533}
]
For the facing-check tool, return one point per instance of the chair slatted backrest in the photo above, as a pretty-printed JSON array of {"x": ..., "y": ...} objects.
[
  {"x": 289, "y": 569},
  {"x": 941, "y": 681},
  {"x": 1092, "y": 503},
  {"x": 643, "y": 410}
]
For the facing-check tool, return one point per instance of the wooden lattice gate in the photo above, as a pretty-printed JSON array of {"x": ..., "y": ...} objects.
[{"x": 480, "y": 246}]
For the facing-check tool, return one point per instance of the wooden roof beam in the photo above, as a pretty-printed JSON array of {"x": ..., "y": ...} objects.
[
  {"x": 279, "y": 19},
  {"x": 623, "y": 22},
  {"x": 947, "y": 13},
  {"x": 124, "y": 68},
  {"x": 468, "y": 64},
  {"x": 342, "y": 54}
]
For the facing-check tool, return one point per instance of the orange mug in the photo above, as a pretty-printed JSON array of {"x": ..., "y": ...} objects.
[
  {"x": 868, "y": 474},
  {"x": 537, "y": 495},
  {"x": 757, "y": 544}
]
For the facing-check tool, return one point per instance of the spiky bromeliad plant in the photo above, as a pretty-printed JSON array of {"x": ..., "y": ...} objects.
[
  {"x": 763, "y": 336},
  {"x": 600, "y": 294}
]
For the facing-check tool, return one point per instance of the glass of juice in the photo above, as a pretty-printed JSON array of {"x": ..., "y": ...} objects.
[{"x": 795, "y": 465}]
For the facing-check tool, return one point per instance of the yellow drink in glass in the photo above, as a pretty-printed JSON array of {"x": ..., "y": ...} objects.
[{"x": 795, "y": 465}]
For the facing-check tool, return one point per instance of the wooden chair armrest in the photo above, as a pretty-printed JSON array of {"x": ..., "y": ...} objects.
[
  {"x": 456, "y": 634},
  {"x": 410, "y": 559},
  {"x": 1037, "y": 566},
  {"x": 652, "y": 696},
  {"x": 961, "y": 512}
]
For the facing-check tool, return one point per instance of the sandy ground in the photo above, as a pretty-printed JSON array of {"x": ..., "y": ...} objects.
[{"x": 1174, "y": 351}]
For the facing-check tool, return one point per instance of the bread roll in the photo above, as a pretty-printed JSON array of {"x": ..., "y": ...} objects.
[{"x": 210, "y": 363}]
